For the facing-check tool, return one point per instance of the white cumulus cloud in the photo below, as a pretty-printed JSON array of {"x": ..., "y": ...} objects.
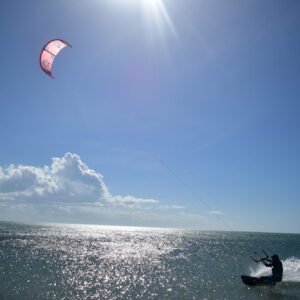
[{"x": 66, "y": 181}]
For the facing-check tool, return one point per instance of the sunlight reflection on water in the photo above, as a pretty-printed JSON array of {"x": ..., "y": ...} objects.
[{"x": 109, "y": 262}]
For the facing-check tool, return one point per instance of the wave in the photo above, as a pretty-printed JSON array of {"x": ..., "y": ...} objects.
[{"x": 291, "y": 270}]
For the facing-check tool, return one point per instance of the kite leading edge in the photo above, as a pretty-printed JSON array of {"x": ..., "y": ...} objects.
[{"x": 48, "y": 54}]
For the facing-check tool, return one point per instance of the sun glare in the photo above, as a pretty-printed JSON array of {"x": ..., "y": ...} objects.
[
  {"x": 155, "y": 15},
  {"x": 158, "y": 16}
]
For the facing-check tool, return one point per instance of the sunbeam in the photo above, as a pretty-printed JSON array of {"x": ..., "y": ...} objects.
[{"x": 157, "y": 16}]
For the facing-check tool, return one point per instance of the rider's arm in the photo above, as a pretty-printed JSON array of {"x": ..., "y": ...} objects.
[{"x": 267, "y": 262}]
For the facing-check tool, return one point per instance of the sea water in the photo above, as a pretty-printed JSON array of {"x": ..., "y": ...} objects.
[{"x": 58, "y": 261}]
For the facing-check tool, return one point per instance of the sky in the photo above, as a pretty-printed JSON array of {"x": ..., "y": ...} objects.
[{"x": 164, "y": 113}]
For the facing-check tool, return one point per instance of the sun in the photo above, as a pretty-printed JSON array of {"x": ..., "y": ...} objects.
[{"x": 154, "y": 14}]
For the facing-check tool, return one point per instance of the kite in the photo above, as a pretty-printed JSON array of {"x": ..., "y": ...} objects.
[{"x": 49, "y": 52}]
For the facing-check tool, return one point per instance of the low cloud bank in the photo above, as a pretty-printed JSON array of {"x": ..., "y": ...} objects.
[{"x": 69, "y": 191}]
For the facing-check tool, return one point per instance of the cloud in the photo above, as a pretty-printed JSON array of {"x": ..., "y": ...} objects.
[
  {"x": 215, "y": 212},
  {"x": 67, "y": 190},
  {"x": 172, "y": 207},
  {"x": 133, "y": 201},
  {"x": 105, "y": 215},
  {"x": 66, "y": 181}
]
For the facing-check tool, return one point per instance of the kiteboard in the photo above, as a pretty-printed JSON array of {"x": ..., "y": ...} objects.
[{"x": 253, "y": 281}]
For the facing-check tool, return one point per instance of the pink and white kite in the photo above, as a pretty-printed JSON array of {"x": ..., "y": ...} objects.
[{"x": 48, "y": 54}]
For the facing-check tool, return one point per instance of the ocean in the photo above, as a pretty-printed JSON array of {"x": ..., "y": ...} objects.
[{"x": 62, "y": 261}]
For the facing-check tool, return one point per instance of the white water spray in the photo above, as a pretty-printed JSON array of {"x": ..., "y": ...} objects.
[{"x": 291, "y": 270}]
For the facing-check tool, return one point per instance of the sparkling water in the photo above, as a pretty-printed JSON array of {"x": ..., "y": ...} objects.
[{"x": 59, "y": 261}]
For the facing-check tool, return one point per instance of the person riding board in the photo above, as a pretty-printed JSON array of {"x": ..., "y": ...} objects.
[
  {"x": 277, "y": 269},
  {"x": 276, "y": 265}
]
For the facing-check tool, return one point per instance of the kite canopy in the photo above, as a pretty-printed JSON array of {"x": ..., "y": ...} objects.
[{"x": 48, "y": 54}]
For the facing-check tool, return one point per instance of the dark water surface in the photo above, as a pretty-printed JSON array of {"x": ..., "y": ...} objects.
[{"x": 101, "y": 262}]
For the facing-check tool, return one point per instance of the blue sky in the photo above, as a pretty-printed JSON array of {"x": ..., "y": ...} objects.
[{"x": 211, "y": 88}]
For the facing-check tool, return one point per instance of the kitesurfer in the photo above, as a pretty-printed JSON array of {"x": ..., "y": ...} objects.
[{"x": 277, "y": 269}]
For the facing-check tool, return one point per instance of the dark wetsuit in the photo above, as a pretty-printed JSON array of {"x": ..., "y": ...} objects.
[{"x": 277, "y": 271}]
